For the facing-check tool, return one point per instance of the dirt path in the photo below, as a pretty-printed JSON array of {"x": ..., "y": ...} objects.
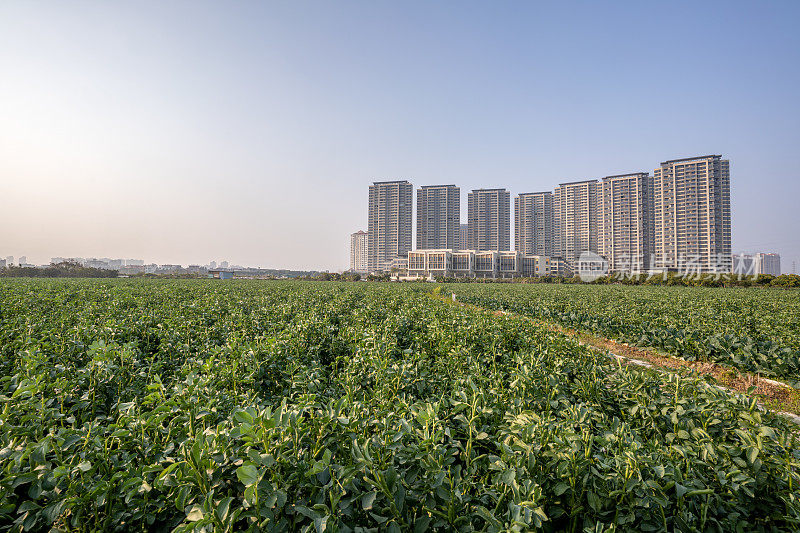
[{"x": 770, "y": 394}]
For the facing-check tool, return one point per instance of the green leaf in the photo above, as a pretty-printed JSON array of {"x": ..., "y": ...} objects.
[
  {"x": 195, "y": 513},
  {"x": 368, "y": 499},
  {"x": 421, "y": 524},
  {"x": 378, "y": 518},
  {"x": 53, "y": 511},
  {"x": 320, "y": 523},
  {"x": 561, "y": 488},
  {"x": 305, "y": 511},
  {"x": 752, "y": 453},
  {"x": 223, "y": 508},
  {"x": 247, "y": 474},
  {"x": 594, "y": 501}
]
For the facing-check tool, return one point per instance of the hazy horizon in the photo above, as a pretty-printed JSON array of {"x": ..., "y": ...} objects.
[{"x": 192, "y": 131}]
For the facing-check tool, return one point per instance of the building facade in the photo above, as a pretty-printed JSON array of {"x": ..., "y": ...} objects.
[
  {"x": 692, "y": 215},
  {"x": 489, "y": 219},
  {"x": 745, "y": 265},
  {"x": 359, "y": 252},
  {"x": 477, "y": 264},
  {"x": 438, "y": 217},
  {"x": 575, "y": 219},
  {"x": 533, "y": 223},
  {"x": 463, "y": 237},
  {"x": 390, "y": 219},
  {"x": 769, "y": 263},
  {"x": 625, "y": 223}
]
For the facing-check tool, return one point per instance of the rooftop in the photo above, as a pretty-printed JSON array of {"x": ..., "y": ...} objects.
[
  {"x": 691, "y": 159},
  {"x": 577, "y": 182},
  {"x": 626, "y": 175},
  {"x": 534, "y": 193}
]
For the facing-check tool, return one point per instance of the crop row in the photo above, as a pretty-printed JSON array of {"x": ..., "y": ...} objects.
[
  {"x": 749, "y": 329},
  {"x": 190, "y": 405}
]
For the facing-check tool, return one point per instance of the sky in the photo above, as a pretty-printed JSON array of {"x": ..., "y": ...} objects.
[{"x": 184, "y": 132}]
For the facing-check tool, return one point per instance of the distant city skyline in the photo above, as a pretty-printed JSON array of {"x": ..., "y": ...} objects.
[{"x": 181, "y": 131}]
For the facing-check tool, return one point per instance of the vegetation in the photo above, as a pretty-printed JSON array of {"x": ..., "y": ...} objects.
[
  {"x": 61, "y": 270},
  {"x": 198, "y": 405},
  {"x": 333, "y": 276},
  {"x": 755, "y": 331},
  {"x": 784, "y": 281}
]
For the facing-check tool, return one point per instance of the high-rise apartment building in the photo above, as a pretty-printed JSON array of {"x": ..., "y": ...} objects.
[
  {"x": 438, "y": 217},
  {"x": 463, "y": 236},
  {"x": 533, "y": 223},
  {"x": 769, "y": 263},
  {"x": 489, "y": 219},
  {"x": 575, "y": 219},
  {"x": 756, "y": 264},
  {"x": 359, "y": 252},
  {"x": 390, "y": 223},
  {"x": 625, "y": 210},
  {"x": 692, "y": 214}
]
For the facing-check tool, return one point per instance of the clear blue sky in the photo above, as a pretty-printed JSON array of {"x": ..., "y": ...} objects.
[{"x": 181, "y": 132}]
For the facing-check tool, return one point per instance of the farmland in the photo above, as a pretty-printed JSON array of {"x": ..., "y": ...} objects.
[
  {"x": 200, "y": 405},
  {"x": 752, "y": 330}
]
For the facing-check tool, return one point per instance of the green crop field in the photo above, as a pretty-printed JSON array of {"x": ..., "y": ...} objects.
[
  {"x": 748, "y": 329},
  {"x": 180, "y": 405}
]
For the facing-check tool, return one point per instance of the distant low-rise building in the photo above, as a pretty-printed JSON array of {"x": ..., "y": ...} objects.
[
  {"x": 132, "y": 269},
  {"x": 560, "y": 268},
  {"x": 220, "y": 274},
  {"x": 96, "y": 263},
  {"x": 476, "y": 264}
]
